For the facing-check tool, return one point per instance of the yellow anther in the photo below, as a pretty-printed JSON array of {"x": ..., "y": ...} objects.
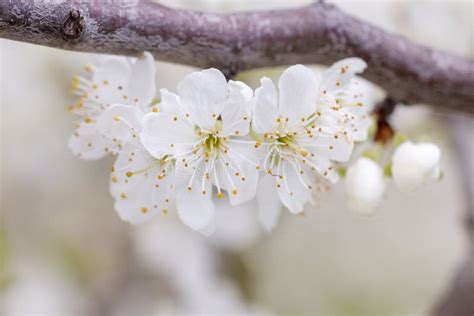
[
  {"x": 154, "y": 109},
  {"x": 123, "y": 195},
  {"x": 114, "y": 179},
  {"x": 220, "y": 195},
  {"x": 117, "y": 118},
  {"x": 235, "y": 191},
  {"x": 144, "y": 210},
  {"x": 89, "y": 68},
  {"x": 129, "y": 174}
]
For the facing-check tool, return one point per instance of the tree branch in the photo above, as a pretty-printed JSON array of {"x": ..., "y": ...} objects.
[{"x": 317, "y": 34}]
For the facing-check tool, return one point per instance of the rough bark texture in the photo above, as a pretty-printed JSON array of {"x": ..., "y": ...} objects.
[
  {"x": 459, "y": 301},
  {"x": 319, "y": 33}
]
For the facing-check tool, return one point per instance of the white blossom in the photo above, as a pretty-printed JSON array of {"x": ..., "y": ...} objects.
[
  {"x": 305, "y": 126},
  {"x": 115, "y": 101},
  {"x": 203, "y": 129},
  {"x": 415, "y": 164},
  {"x": 140, "y": 184},
  {"x": 365, "y": 185},
  {"x": 116, "y": 80}
]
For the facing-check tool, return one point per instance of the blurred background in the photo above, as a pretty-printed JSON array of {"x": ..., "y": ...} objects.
[{"x": 64, "y": 251}]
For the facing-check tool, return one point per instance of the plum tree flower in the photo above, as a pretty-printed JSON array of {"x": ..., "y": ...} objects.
[
  {"x": 414, "y": 164},
  {"x": 365, "y": 185},
  {"x": 116, "y": 80},
  {"x": 343, "y": 101},
  {"x": 203, "y": 129},
  {"x": 113, "y": 102},
  {"x": 140, "y": 184},
  {"x": 216, "y": 135},
  {"x": 306, "y": 125}
]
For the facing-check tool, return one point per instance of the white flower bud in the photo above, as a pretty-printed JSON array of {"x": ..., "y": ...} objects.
[
  {"x": 414, "y": 164},
  {"x": 365, "y": 185}
]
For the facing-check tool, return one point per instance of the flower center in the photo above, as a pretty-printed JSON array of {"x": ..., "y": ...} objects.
[{"x": 212, "y": 142}]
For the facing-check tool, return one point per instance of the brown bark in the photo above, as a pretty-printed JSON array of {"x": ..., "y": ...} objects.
[{"x": 316, "y": 34}]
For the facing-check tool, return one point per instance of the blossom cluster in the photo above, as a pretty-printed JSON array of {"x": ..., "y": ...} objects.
[{"x": 215, "y": 138}]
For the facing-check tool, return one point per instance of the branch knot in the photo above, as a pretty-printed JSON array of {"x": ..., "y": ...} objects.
[{"x": 73, "y": 27}]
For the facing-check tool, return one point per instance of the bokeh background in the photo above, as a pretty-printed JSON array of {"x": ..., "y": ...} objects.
[{"x": 64, "y": 251}]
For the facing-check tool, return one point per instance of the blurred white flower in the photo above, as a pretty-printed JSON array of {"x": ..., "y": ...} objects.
[
  {"x": 191, "y": 265},
  {"x": 202, "y": 128},
  {"x": 306, "y": 125},
  {"x": 237, "y": 227},
  {"x": 414, "y": 164},
  {"x": 117, "y": 80},
  {"x": 365, "y": 185},
  {"x": 39, "y": 290}
]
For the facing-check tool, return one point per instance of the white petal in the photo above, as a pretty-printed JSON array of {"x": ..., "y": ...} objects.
[
  {"x": 293, "y": 194},
  {"x": 240, "y": 92},
  {"x": 413, "y": 164},
  {"x": 237, "y": 171},
  {"x": 365, "y": 186},
  {"x": 122, "y": 122},
  {"x": 195, "y": 209},
  {"x": 202, "y": 94},
  {"x": 350, "y": 113},
  {"x": 165, "y": 134},
  {"x": 340, "y": 74},
  {"x": 324, "y": 167},
  {"x": 142, "y": 82},
  {"x": 269, "y": 206},
  {"x": 236, "y": 226},
  {"x": 299, "y": 92},
  {"x": 333, "y": 146},
  {"x": 209, "y": 229},
  {"x": 170, "y": 103},
  {"x": 142, "y": 195},
  {"x": 236, "y": 110},
  {"x": 265, "y": 108},
  {"x": 111, "y": 80},
  {"x": 87, "y": 143}
]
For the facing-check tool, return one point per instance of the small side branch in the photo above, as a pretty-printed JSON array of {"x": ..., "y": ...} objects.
[{"x": 317, "y": 34}]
